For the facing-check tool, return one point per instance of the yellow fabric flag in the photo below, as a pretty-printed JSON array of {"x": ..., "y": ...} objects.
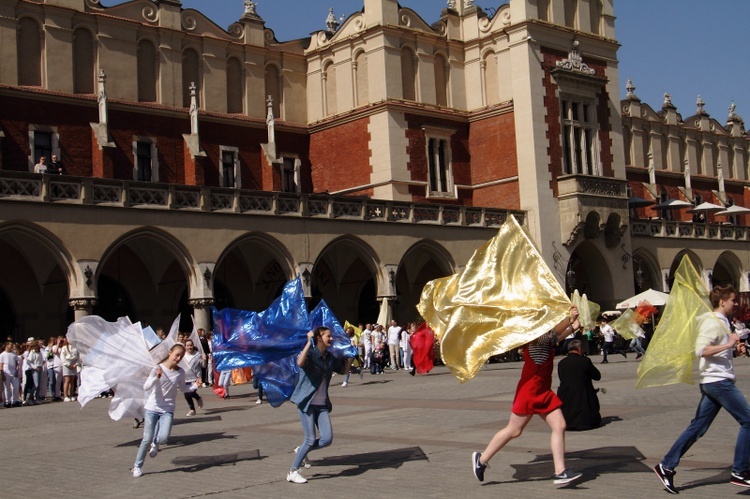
[
  {"x": 505, "y": 297},
  {"x": 626, "y": 325},
  {"x": 588, "y": 310},
  {"x": 670, "y": 355},
  {"x": 357, "y": 331}
]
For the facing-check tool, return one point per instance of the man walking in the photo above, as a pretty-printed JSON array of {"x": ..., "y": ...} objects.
[{"x": 716, "y": 347}]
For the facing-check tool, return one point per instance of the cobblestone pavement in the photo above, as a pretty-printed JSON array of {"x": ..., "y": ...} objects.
[{"x": 394, "y": 435}]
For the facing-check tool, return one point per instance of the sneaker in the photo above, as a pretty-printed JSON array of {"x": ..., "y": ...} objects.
[
  {"x": 154, "y": 450},
  {"x": 742, "y": 479},
  {"x": 66, "y": 399},
  {"x": 305, "y": 462},
  {"x": 666, "y": 476},
  {"x": 624, "y": 354},
  {"x": 344, "y": 384},
  {"x": 190, "y": 413},
  {"x": 200, "y": 402},
  {"x": 295, "y": 477},
  {"x": 137, "y": 472},
  {"x": 566, "y": 477},
  {"x": 478, "y": 467},
  {"x": 259, "y": 401},
  {"x": 638, "y": 356}
]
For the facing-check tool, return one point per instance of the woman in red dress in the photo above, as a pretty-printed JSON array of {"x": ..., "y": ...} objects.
[{"x": 534, "y": 395}]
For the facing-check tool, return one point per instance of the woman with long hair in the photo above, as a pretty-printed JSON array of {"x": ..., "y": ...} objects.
[
  {"x": 161, "y": 388},
  {"x": 32, "y": 365},
  {"x": 311, "y": 396},
  {"x": 197, "y": 362},
  {"x": 534, "y": 395},
  {"x": 70, "y": 357}
]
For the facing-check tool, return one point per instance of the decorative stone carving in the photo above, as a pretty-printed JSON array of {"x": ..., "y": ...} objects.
[
  {"x": 700, "y": 104},
  {"x": 201, "y": 302},
  {"x": 193, "y": 110},
  {"x": 83, "y": 303},
  {"x": 250, "y": 8},
  {"x": 574, "y": 62},
  {"x": 332, "y": 24}
]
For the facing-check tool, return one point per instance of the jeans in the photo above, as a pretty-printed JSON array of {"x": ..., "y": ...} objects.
[
  {"x": 635, "y": 344},
  {"x": 316, "y": 415},
  {"x": 31, "y": 388},
  {"x": 224, "y": 378},
  {"x": 715, "y": 396},
  {"x": 155, "y": 423}
]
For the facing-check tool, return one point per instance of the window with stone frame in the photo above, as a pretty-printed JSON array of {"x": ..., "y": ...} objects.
[
  {"x": 580, "y": 141},
  {"x": 290, "y": 174},
  {"x": 146, "y": 164},
  {"x": 43, "y": 141},
  {"x": 230, "y": 167},
  {"x": 439, "y": 163}
]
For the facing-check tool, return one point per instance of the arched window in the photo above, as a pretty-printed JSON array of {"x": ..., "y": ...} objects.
[
  {"x": 84, "y": 60},
  {"x": 408, "y": 75},
  {"x": 147, "y": 71},
  {"x": 234, "y": 86},
  {"x": 491, "y": 83},
  {"x": 543, "y": 10},
  {"x": 329, "y": 79},
  {"x": 190, "y": 74},
  {"x": 571, "y": 13},
  {"x": 441, "y": 81},
  {"x": 361, "y": 78},
  {"x": 595, "y": 10},
  {"x": 273, "y": 88},
  {"x": 29, "y": 39}
]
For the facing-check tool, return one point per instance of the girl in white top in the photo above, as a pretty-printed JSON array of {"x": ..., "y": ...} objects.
[
  {"x": 69, "y": 357},
  {"x": 32, "y": 366},
  {"x": 196, "y": 362},
  {"x": 161, "y": 388},
  {"x": 9, "y": 364},
  {"x": 406, "y": 346}
]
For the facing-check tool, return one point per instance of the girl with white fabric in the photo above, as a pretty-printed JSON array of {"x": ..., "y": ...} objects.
[
  {"x": 161, "y": 390},
  {"x": 196, "y": 362}
]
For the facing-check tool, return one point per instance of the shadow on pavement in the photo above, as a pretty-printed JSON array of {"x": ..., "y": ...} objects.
[
  {"x": 199, "y": 463},
  {"x": 360, "y": 463},
  {"x": 591, "y": 462},
  {"x": 193, "y": 419},
  {"x": 184, "y": 440},
  {"x": 720, "y": 478},
  {"x": 227, "y": 409}
]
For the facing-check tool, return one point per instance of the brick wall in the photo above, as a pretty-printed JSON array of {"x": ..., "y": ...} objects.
[
  {"x": 340, "y": 157},
  {"x": 493, "y": 156}
]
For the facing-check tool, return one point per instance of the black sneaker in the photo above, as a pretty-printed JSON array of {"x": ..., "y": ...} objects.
[
  {"x": 666, "y": 476},
  {"x": 478, "y": 467},
  {"x": 742, "y": 479},
  {"x": 566, "y": 477}
]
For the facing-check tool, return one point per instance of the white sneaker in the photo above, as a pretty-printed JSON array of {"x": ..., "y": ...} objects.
[
  {"x": 66, "y": 399},
  {"x": 295, "y": 477},
  {"x": 137, "y": 472},
  {"x": 258, "y": 402},
  {"x": 305, "y": 462},
  {"x": 154, "y": 450},
  {"x": 344, "y": 384},
  {"x": 190, "y": 413}
]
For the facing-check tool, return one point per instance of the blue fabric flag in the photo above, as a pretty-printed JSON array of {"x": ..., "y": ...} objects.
[
  {"x": 243, "y": 339},
  {"x": 272, "y": 339},
  {"x": 342, "y": 347}
]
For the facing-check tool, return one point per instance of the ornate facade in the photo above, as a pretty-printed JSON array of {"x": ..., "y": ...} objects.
[{"x": 206, "y": 166}]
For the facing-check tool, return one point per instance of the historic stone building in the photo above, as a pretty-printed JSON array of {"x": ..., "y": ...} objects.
[{"x": 206, "y": 166}]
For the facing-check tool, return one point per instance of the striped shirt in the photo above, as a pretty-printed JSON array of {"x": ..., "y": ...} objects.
[{"x": 539, "y": 349}]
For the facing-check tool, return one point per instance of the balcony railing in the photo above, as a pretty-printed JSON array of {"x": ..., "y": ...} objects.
[
  {"x": 54, "y": 189},
  {"x": 691, "y": 230}
]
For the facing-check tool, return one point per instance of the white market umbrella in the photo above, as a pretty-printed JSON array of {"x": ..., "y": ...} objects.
[
  {"x": 652, "y": 296},
  {"x": 734, "y": 210},
  {"x": 384, "y": 317},
  {"x": 671, "y": 204},
  {"x": 707, "y": 207}
]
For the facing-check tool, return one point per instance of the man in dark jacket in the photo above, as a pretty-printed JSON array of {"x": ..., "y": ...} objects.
[{"x": 580, "y": 403}]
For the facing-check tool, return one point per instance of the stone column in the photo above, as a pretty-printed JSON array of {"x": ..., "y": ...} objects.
[
  {"x": 201, "y": 311},
  {"x": 82, "y": 306}
]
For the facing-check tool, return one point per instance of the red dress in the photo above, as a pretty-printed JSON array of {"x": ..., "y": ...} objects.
[{"x": 534, "y": 394}]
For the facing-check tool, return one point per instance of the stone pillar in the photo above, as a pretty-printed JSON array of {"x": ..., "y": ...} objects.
[
  {"x": 201, "y": 312},
  {"x": 82, "y": 306}
]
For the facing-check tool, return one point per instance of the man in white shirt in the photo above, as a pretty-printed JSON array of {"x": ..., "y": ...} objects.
[
  {"x": 367, "y": 340},
  {"x": 609, "y": 340},
  {"x": 716, "y": 347},
  {"x": 394, "y": 335}
]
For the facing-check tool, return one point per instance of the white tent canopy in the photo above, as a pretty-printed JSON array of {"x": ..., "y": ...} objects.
[{"x": 652, "y": 296}]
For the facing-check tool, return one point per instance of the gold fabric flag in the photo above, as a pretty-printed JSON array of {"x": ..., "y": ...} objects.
[
  {"x": 505, "y": 297},
  {"x": 670, "y": 355},
  {"x": 588, "y": 310}
]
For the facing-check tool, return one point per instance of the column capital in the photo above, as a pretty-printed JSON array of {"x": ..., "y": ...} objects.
[
  {"x": 83, "y": 303},
  {"x": 201, "y": 302}
]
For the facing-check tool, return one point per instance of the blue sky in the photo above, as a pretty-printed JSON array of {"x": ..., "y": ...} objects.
[{"x": 684, "y": 47}]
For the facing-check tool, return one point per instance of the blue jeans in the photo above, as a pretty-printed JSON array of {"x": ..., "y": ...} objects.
[
  {"x": 715, "y": 396},
  {"x": 31, "y": 388},
  {"x": 155, "y": 423},
  {"x": 635, "y": 344},
  {"x": 316, "y": 415}
]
